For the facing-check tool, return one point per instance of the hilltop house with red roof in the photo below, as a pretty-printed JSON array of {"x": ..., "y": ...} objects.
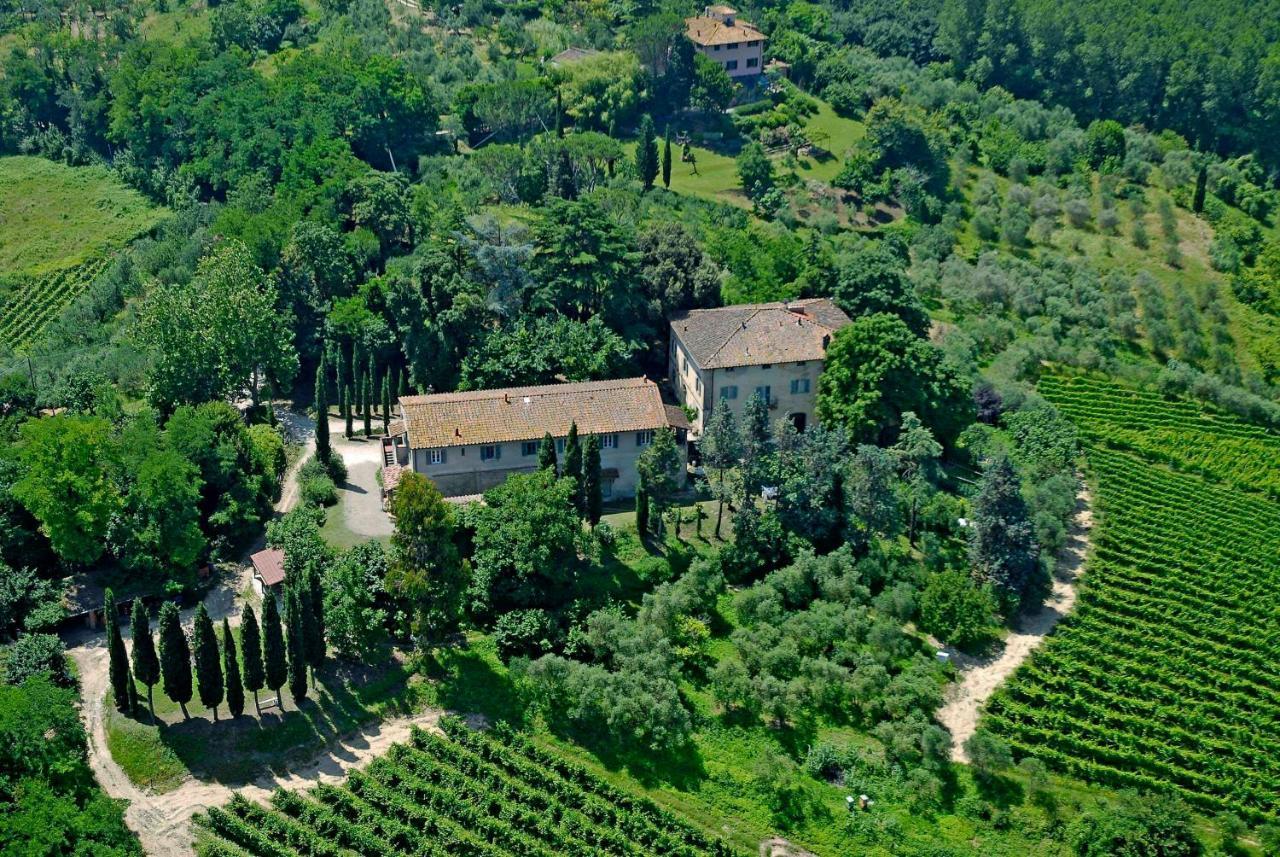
[
  {"x": 735, "y": 44},
  {"x": 719, "y": 357}
]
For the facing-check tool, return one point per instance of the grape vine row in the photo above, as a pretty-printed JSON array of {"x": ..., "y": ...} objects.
[
  {"x": 1167, "y": 675},
  {"x": 463, "y": 793}
]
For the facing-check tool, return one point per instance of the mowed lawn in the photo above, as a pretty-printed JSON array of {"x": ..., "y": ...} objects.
[
  {"x": 53, "y": 216},
  {"x": 716, "y": 177}
]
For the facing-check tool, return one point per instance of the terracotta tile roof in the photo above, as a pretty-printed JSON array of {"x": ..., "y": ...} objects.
[
  {"x": 391, "y": 477},
  {"x": 677, "y": 418},
  {"x": 712, "y": 31},
  {"x": 527, "y": 413},
  {"x": 395, "y": 428},
  {"x": 269, "y": 564},
  {"x": 752, "y": 334}
]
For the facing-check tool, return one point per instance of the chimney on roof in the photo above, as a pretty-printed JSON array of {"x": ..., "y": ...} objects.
[
  {"x": 506, "y": 397},
  {"x": 826, "y": 340},
  {"x": 744, "y": 325},
  {"x": 457, "y": 432}
]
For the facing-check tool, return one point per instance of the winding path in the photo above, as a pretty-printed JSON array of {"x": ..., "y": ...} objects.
[
  {"x": 163, "y": 822},
  {"x": 979, "y": 677}
]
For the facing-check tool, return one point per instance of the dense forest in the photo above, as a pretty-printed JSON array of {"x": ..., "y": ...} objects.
[{"x": 302, "y": 208}]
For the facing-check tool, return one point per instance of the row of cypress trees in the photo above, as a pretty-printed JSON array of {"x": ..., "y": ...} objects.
[
  {"x": 356, "y": 396},
  {"x": 280, "y": 651},
  {"x": 582, "y": 465}
]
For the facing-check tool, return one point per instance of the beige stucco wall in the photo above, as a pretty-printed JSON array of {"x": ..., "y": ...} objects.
[
  {"x": 741, "y": 51},
  {"x": 701, "y": 389},
  {"x": 463, "y": 472}
]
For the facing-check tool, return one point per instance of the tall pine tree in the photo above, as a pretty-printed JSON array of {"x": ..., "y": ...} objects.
[
  {"x": 295, "y": 646},
  {"x": 274, "y": 658},
  {"x": 323, "y": 450},
  {"x": 592, "y": 491},
  {"x": 573, "y": 466},
  {"x": 175, "y": 658},
  {"x": 146, "y": 666},
  {"x": 251, "y": 648},
  {"x": 647, "y": 153},
  {"x": 666, "y": 159},
  {"x": 1002, "y": 538},
  {"x": 339, "y": 373},
  {"x": 231, "y": 671},
  {"x": 208, "y": 660},
  {"x": 547, "y": 453},
  {"x": 118, "y": 658}
]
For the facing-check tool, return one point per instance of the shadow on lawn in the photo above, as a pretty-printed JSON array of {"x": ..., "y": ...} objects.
[{"x": 236, "y": 751}]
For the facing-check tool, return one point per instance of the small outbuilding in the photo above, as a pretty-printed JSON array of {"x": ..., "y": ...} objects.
[{"x": 268, "y": 571}]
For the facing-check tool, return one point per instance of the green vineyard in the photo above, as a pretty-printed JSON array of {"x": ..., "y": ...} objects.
[
  {"x": 1167, "y": 675},
  {"x": 471, "y": 794},
  {"x": 1185, "y": 435},
  {"x": 37, "y": 301}
]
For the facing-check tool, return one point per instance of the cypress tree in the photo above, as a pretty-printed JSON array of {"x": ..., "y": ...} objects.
[
  {"x": 1202, "y": 186},
  {"x": 323, "y": 449},
  {"x": 118, "y": 657},
  {"x": 592, "y": 494},
  {"x": 565, "y": 186},
  {"x": 134, "y": 702},
  {"x": 312, "y": 600},
  {"x": 573, "y": 466},
  {"x": 208, "y": 660},
  {"x": 146, "y": 666},
  {"x": 231, "y": 671},
  {"x": 642, "y": 511},
  {"x": 386, "y": 404},
  {"x": 547, "y": 453},
  {"x": 251, "y": 649},
  {"x": 346, "y": 409},
  {"x": 666, "y": 159},
  {"x": 175, "y": 658},
  {"x": 295, "y": 646},
  {"x": 274, "y": 659},
  {"x": 339, "y": 376},
  {"x": 647, "y": 153},
  {"x": 367, "y": 394},
  {"x": 404, "y": 382},
  {"x": 357, "y": 378}
]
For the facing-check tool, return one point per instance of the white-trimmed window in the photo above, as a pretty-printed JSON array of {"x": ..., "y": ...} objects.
[
  {"x": 698, "y": 385},
  {"x": 435, "y": 456},
  {"x": 528, "y": 448},
  {"x": 752, "y": 62},
  {"x": 764, "y": 392},
  {"x": 492, "y": 452},
  {"x": 560, "y": 442},
  {"x": 608, "y": 441},
  {"x": 644, "y": 438},
  {"x": 729, "y": 392},
  {"x": 731, "y": 65},
  {"x": 799, "y": 385}
]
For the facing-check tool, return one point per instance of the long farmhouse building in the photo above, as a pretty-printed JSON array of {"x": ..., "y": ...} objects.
[{"x": 467, "y": 443}]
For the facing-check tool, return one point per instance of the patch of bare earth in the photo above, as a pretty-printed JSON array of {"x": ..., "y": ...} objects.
[{"x": 979, "y": 677}]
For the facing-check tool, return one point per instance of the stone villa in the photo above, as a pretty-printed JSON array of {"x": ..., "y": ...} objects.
[
  {"x": 735, "y": 44},
  {"x": 467, "y": 443},
  {"x": 775, "y": 350}
]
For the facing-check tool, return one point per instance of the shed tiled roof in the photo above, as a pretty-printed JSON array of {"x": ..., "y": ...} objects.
[
  {"x": 752, "y": 334},
  {"x": 713, "y": 31},
  {"x": 527, "y": 413},
  {"x": 269, "y": 564}
]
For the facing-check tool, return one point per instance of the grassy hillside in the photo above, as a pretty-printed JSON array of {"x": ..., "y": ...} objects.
[
  {"x": 54, "y": 216},
  {"x": 56, "y": 224}
]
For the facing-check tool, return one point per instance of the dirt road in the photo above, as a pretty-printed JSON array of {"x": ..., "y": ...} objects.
[
  {"x": 163, "y": 822},
  {"x": 979, "y": 677}
]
